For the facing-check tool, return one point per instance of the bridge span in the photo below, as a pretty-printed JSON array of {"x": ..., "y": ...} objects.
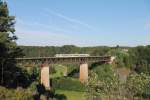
[
  {"x": 83, "y": 61},
  {"x": 64, "y": 60}
]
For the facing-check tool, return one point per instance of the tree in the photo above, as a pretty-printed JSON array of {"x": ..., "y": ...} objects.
[
  {"x": 102, "y": 81},
  {"x": 69, "y": 49},
  {"x": 139, "y": 56},
  {"x": 93, "y": 87},
  {"x": 122, "y": 57},
  {"x": 8, "y": 46},
  {"x": 138, "y": 85}
]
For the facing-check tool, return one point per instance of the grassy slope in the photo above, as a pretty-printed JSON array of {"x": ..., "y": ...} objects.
[
  {"x": 60, "y": 71},
  {"x": 72, "y": 95}
]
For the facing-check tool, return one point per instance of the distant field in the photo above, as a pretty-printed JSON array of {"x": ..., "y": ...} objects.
[{"x": 72, "y": 95}]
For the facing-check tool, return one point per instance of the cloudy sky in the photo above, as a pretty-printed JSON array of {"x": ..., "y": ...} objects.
[{"x": 81, "y": 22}]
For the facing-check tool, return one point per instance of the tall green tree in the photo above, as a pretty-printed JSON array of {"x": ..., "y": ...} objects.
[
  {"x": 8, "y": 46},
  {"x": 139, "y": 56}
]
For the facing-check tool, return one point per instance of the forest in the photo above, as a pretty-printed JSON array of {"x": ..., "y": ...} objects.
[{"x": 128, "y": 78}]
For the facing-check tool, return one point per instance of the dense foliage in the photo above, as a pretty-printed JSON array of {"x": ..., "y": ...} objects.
[
  {"x": 12, "y": 94},
  {"x": 122, "y": 57},
  {"x": 102, "y": 81},
  {"x": 140, "y": 58},
  {"x": 35, "y": 51},
  {"x": 138, "y": 85}
]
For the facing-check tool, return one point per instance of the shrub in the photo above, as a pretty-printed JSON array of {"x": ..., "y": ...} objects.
[
  {"x": 138, "y": 85},
  {"x": 12, "y": 94}
]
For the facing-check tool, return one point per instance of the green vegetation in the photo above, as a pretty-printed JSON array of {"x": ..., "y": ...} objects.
[
  {"x": 72, "y": 95},
  {"x": 122, "y": 57},
  {"x": 15, "y": 94},
  {"x": 138, "y": 85},
  {"x": 58, "y": 71},
  {"x": 67, "y": 83},
  {"x": 34, "y": 51},
  {"x": 102, "y": 81},
  {"x": 140, "y": 59}
]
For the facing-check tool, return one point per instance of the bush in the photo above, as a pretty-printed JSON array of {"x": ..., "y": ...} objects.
[
  {"x": 12, "y": 94},
  {"x": 138, "y": 85},
  {"x": 68, "y": 84},
  {"x": 108, "y": 80},
  {"x": 122, "y": 57}
]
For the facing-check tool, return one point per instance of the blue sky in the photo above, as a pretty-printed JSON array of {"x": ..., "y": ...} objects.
[{"x": 82, "y": 22}]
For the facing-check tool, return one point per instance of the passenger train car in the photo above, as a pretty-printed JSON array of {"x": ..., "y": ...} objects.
[{"x": 72, "y": 55}]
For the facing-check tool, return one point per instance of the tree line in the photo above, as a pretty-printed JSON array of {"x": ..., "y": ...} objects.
[{"x": 47, "y": 51}]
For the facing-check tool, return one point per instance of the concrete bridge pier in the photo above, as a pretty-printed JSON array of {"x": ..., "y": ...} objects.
[
  {"x": 45, "y": 80},
  {"x": 83, "y": 72}
]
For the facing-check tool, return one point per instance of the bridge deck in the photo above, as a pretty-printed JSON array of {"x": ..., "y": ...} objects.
[{"x": 53, "y": 60}]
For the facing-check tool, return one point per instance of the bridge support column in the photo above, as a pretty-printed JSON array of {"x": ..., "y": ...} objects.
[
  {"x": 45, "y": 80},
  {"x": 83, "y": 72}
]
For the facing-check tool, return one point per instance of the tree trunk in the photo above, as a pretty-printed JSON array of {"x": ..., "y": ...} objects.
[{"x": 2, "y": 73}]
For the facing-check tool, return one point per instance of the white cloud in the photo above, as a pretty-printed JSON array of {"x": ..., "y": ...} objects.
[
  {"x": 68, "y": 19},
  {"x": 36, "y": 24}
]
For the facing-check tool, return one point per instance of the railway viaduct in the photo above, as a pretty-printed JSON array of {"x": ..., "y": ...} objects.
[{"x": 46, "y": 62}]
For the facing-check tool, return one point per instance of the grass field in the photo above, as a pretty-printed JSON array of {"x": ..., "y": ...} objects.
[{"x": 72, "y": 95}]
